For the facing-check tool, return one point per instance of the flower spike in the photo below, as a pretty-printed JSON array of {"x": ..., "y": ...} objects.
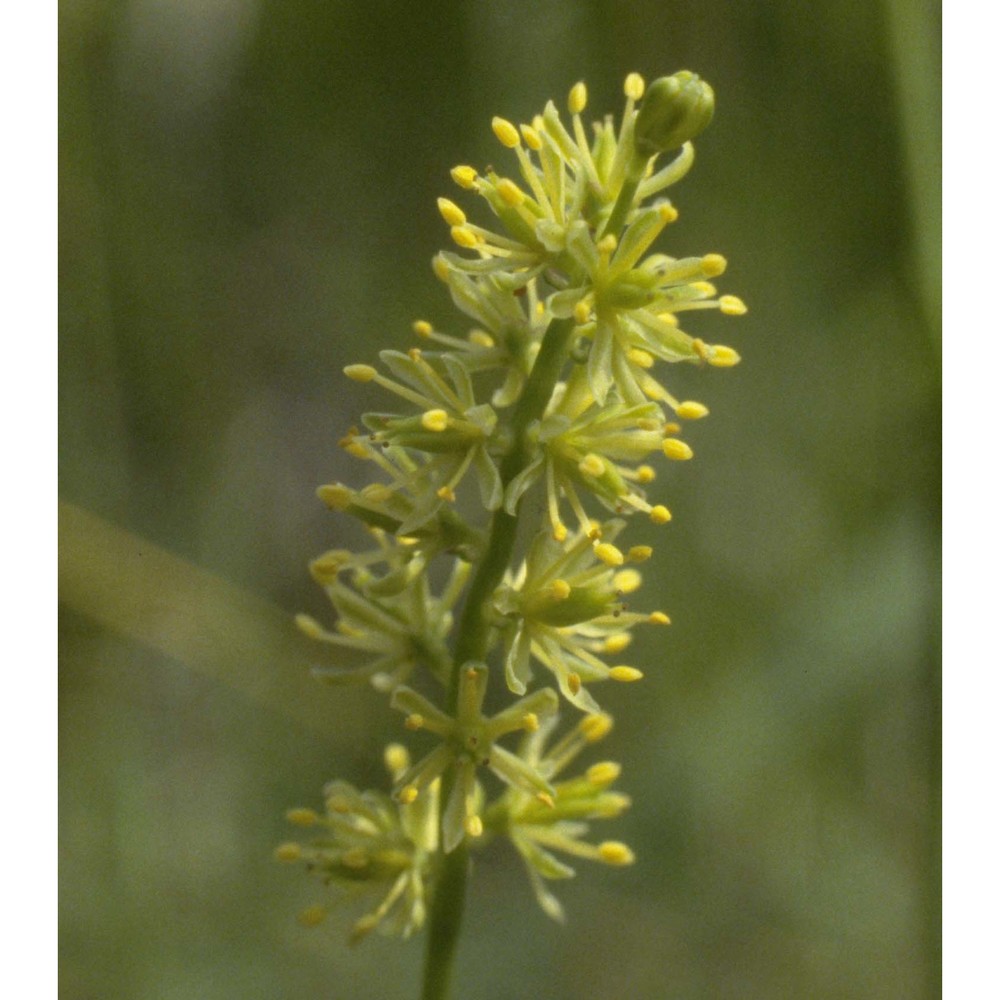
[{"x": 555, "y": 397}]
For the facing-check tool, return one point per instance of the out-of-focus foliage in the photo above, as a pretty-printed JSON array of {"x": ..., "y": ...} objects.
[{"x": 247, "y": 205}]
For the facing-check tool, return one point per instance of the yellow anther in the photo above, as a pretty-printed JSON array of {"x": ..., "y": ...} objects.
[
  {"x": 510, "y": 193},
  {"x": 645, "y": 474},
  {"x": 464, "y": 237},
  {"x": 327, "y": 566},
  {"x": 338, "y": 804},
  {"x": 288, "y": 852},
  {"x": 481, "y": 338},
  {"x": 309, "y": 626},
  {"x": 616, "y": 643},
  {"x": 464, "y": 177},
  {"x": 445, "y": 493},
  {"x": 713, "y": 264},
  {"x": 720, "y": 356},
  {"x": 546, "y": 799},
  {"x": 608, "y": 554},
  {"x": 659, "y": 618},
  {"x": 531, "y": 138},
  {"x": 660, "y": 515},
  {"x": 335, "y": 496},
  {"x": 396, "y": 757},
  {"x": 671, "y": 428},
  {"x": 635, "y": 86},
  {"x": 668, "y": 317},
  {"x": 690, "y": 410},
  {"x": 641, "y": 358},
  {"x": 356, "y": 448},
  {"x": 627, "y": 581},
  {"x": 559, "y": 531},
  {"x": 360, "y": 373},
  {"x": 473, "y": 826},
  {"x": 577, "y": 98},
  {"x": 573, "y": 683},
  {"x": 704, "y": 288},
  {"x": 441, "y": 268},
  {"x": 312, "y": 916},
  {"x": 678, "y": 450},
  {"x": 560, "y": 590},
  {"x": 594, "y": 530},
  {"x": 604, "y": 773},
  {"x": 414, "y": 721},
  {"x": 625, "y": 674},
  {"x": 355, "y": 858},
  {"x": 422, "y": 328},
  {"x": 732, "y": 305},
  {"x": 592, "y": 465},
  {"x": 530, "y": 722},
  {"x": 640, "y": 553},
  {"x": 363, "y": 927},
  {"x": 450, "y": 212},
  {"x": 302, "y": 817},
  {"x": 581, "y": 312},
  {"x": 506, "y": 132},
  {"x": 408, "y": 794},
  {"x": 667, "y": 213},
  {"x": 355, "y": 633},
  {"x": 434, "y": 420},
  {"x": 596, "y": 727},
  {"x": 607, "y": 244},
  {"x": 614, "y": 852}
]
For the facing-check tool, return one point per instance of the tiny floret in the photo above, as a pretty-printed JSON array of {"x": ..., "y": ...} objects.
[
  {"x": 302, "y": 817},
  {"x": 288, "y": 852},
  {"x": 678, "y": 450},
  {"x": 625, "y": 674},
  {"x": 732, "y": 305},
  {"x": 613, "y": 852},
  {"x": 506, "y": 132},
  {"x": 450, "y": 212},
  {"x": 691, "y": 410},
  {"x": 634, "y": 86},
  {"x": 464, "y": 177},
  {"x": 360, "y": 373},
  {"x": 713, "y": 264},
  {"x": 660, "y": 514},
  {"x": 434, "y": 420}
]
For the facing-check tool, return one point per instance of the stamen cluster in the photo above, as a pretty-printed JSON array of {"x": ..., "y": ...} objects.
[{"x": 504, "y": 469}]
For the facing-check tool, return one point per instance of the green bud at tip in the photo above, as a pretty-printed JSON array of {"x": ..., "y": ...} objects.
[{"x": 674, "y": 110}]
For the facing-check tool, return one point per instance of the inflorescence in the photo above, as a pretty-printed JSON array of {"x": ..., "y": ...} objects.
[{"x": 550, "y": 411}]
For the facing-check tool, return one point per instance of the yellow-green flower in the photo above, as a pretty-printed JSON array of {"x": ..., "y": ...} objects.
[
  {"x": 537, "y": 829},
  {"x": 565, "y": 609},
  {"x": 365, "y": 844},
  {"x": 385, "y": 611},
  {"x": 468, "y": 742}
]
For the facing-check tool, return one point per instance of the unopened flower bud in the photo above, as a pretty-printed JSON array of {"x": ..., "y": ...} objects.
[{"x": 674, "y": 110}]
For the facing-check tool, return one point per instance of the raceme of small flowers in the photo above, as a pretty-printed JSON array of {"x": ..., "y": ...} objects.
[{"x": 545, "y": 419}]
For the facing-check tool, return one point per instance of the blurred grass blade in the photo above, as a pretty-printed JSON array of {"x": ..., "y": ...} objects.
[{"x": 141, "y": 591}]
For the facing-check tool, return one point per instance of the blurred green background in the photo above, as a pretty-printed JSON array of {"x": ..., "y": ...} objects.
[{"x": 247, "y": 205}]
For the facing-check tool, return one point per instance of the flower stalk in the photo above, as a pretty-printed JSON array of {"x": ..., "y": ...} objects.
[{"x": 550, "y": 406}]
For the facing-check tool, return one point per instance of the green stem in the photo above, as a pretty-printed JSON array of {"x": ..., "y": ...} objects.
[
  {"x": 623, "y": 203},
  {"x": 472, "y": 643}
]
